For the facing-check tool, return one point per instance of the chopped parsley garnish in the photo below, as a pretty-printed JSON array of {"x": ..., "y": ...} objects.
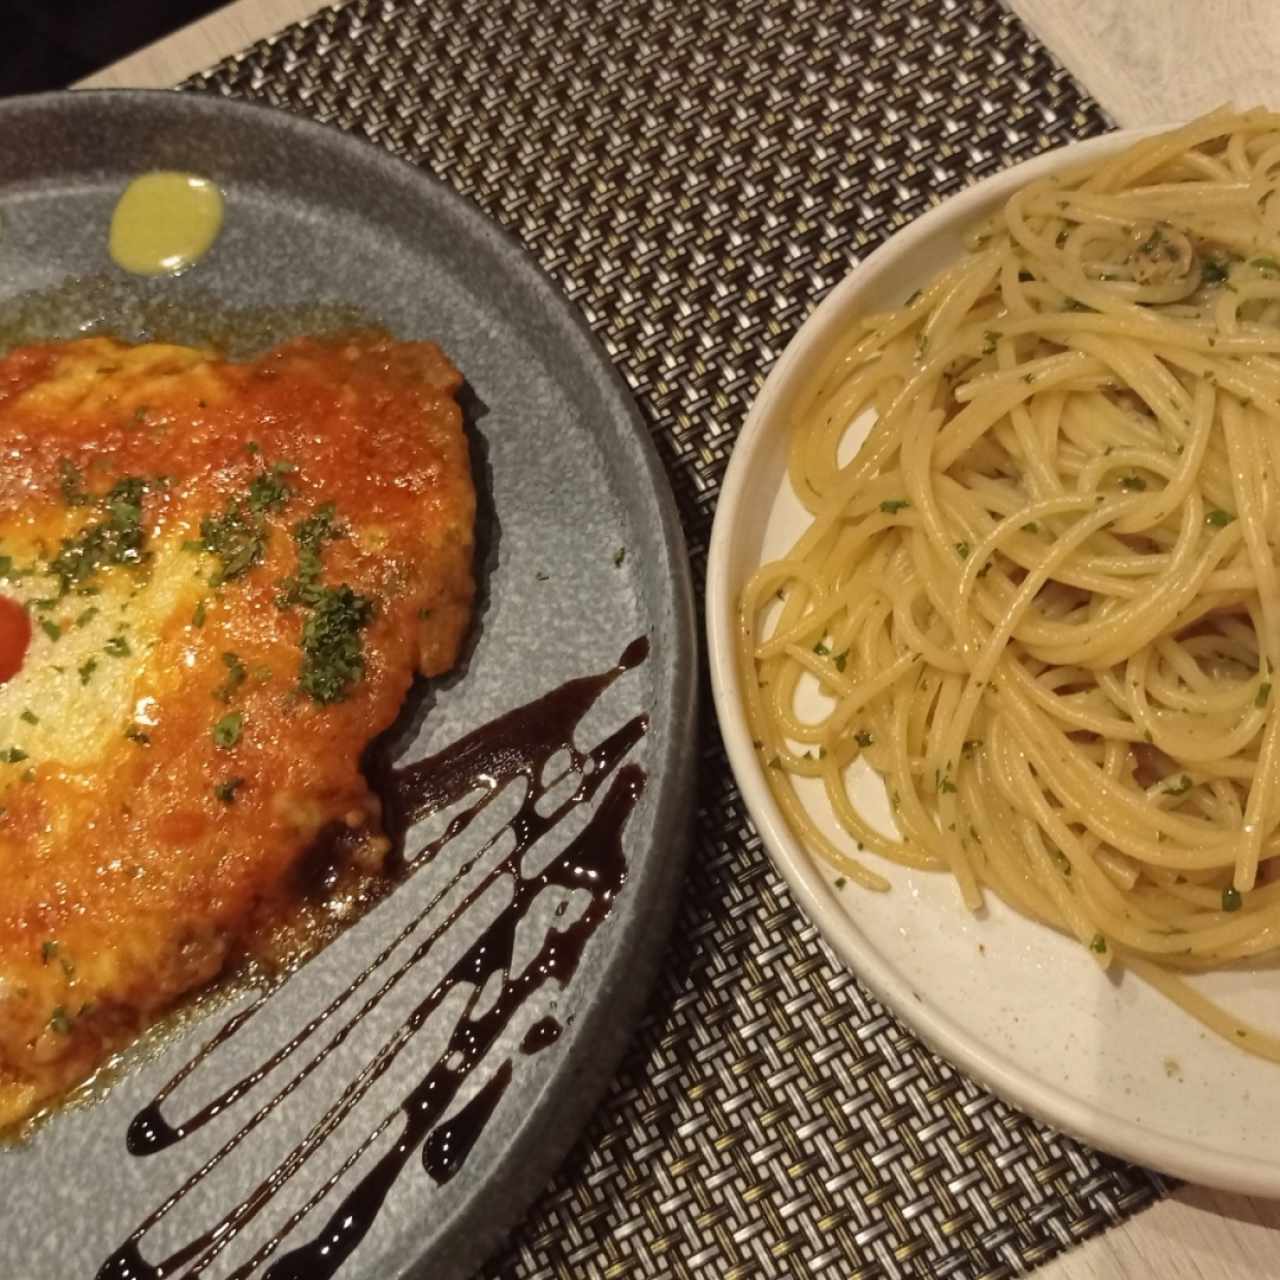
[
  {"x": 1099, "y": 944},
  {"x": 1133, "y": 483},
  {"x": 1214, "y": 270},
  {"x": 12, "y": 755},
  {"x": 6, "y": 566},
  {"x": 226, "y": 791},
  {"x": 1231, "y": 899},
  {"x": 51, "y": 628},
  {"x": 237, "y": 673},
  {"x": 236, "y": 537},
  {"x": 48, "y": 949},
  {"x": 118, "y": 539},
  {"x": 71, "y": 482},
  {"x": 963, "y": 549},
  {"x": 840, "y": 882},
  {"x": 118, "y": 647},
  {"x": 198, "y": 617},
  {"x": 268, "y": 491},
  {"x": 841, "y": 660},
  {"x": 1218, "y": 518},
  {"x": 332, "y": 652},
  {"x": 1264, "y": 692},
  {"x": 29, "y": 716},
  {"x": 864, "y": 738},
  {"x": 87, "y": 616},
  {"x": 59, "y": 1022},
  {"x": 619, "y": 556},
  {"x": 891, "y": 506},
  {"x": 86, "y": 669},
  {"x": 226, "y": 733},
  {"x": 1268, "y": 266},
  {"x": 822, "y": 649},
  {"x": 310, "y": 535}
]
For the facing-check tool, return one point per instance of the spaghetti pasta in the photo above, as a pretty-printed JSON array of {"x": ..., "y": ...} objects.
[{"x": 1041, "y": 598}]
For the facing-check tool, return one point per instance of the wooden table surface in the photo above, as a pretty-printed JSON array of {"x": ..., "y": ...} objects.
[{"x": 1146, "y": 62}]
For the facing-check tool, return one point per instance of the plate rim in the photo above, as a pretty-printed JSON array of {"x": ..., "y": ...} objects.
[
  {"x": 944, "y": 1035},
  {"x": 607, "y": 1024}
]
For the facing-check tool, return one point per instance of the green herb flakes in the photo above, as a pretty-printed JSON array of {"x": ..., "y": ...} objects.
[
  {"x": 1232, "y": 899},
  {"x": 237, "y": 673},
  {"x": 268, "y": 491},
  {"x": 71, "y": 483},
  {"x": 332, "y": 651},
  {"x": 117, "y": 539},
  {"x": 310, "y": 536},
  {"x": 226, "y": 791},
  {"x": 1214, "y": 270},
  {"x": 227, "y": 731}
]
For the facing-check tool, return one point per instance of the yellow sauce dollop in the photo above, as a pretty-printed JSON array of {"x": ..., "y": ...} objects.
[{"x": 164, "y": 222}]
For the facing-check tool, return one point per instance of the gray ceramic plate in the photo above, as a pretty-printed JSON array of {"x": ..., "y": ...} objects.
[{"x": 317, "y": 223}]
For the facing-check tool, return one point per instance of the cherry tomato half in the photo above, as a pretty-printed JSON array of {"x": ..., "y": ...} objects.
[{"x": 15, "y": 636}]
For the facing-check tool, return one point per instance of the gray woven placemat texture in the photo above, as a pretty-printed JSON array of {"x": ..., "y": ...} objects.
[{"x": 697, "y": 175}]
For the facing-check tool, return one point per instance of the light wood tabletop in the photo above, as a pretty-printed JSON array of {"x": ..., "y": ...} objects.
[{"x": 1146, "y": 62}]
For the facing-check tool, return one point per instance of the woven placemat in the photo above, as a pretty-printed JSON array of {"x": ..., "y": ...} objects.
[{"x": 697, "y": 174}]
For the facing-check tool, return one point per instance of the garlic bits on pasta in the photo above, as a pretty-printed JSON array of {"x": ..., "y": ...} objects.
[{"x": 1041, "y": 598}]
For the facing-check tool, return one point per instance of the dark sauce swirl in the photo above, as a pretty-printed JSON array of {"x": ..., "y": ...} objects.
[{"x": 518, "y": 745}]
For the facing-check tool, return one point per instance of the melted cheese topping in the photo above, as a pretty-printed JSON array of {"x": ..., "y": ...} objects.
[{"x": 232, "y": 572}]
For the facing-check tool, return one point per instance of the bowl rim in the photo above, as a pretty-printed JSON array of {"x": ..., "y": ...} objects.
[{"x": 1046, "y": 1101}]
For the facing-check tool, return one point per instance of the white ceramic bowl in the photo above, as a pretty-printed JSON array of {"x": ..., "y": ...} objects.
[{"x": 1016, "y": 1006}]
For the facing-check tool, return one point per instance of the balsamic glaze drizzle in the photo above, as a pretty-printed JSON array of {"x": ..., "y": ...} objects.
[{"x": 517, "y": 745}]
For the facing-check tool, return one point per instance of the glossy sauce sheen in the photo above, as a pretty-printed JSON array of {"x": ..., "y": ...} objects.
[
  {"x": 516, "y": 746},
  {"x": 164, "y": 223}
]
